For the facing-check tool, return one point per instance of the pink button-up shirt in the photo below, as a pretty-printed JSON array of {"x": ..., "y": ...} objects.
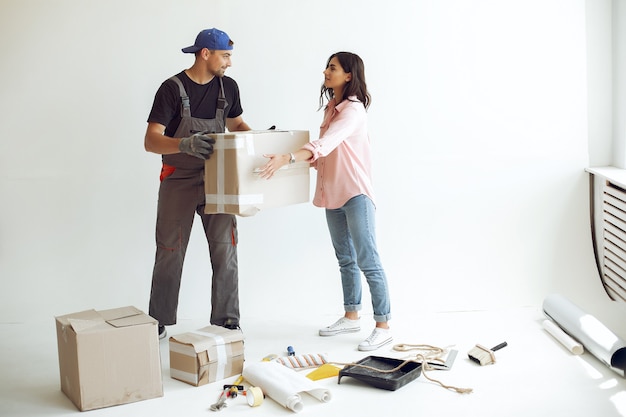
[{"x": 342, "y": 155}]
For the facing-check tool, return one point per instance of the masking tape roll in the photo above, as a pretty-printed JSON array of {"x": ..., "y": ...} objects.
[{"x": 254, "y": 395}]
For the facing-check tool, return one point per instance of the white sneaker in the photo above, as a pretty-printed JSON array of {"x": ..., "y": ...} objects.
[
  {"x": 343, "y": 325},
  {"x": 378, "y": 338}
]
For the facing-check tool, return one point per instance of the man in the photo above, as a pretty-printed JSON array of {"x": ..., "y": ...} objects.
[{"x": 196, "y": 101}]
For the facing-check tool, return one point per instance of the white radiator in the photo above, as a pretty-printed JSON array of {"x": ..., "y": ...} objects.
[{"x": 609, "y": 230}]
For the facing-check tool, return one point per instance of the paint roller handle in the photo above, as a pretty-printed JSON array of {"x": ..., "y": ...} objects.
[{"x": 498, "y": 347}]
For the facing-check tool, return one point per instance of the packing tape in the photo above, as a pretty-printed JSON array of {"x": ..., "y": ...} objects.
[
  {"x": 220, "y": 350},
  {"x": 254, "y": 396}
]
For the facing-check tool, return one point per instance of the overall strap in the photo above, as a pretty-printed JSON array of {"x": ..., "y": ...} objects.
[
  {"x": 221, "y": 100},
  {"x": 185, "y": 110}
]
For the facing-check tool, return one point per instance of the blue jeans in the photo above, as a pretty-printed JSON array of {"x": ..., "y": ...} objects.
[{"x": 353, "y": 235}]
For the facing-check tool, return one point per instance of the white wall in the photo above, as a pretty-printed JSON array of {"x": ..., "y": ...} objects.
[
  {"x": 600, "y": 74},
  {"x": 618, "y": 23},
  {"x": 479, "y": 129}
]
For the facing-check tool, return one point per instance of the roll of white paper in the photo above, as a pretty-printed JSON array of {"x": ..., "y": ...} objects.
[
  {"x": 284, "y": 385},
  {"x": 589, "y": 331},
  {"x": 563, "y": 338}
]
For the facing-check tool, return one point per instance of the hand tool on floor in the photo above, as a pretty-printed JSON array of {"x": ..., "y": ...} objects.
[
  {"x": 228, "y": 389},
  {"x": 324, "y": 371},
  {"x": 483, "y": 356},
  {"x": 254, "y": 395}
]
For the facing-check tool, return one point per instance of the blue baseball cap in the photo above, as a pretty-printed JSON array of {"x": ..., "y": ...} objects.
[{"x": 212, "y": 39}]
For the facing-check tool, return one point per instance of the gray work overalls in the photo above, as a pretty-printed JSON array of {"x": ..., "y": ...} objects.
[{"x": 181, "y": 195}]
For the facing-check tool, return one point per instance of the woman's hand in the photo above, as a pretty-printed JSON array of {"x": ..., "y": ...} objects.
[{"x": 275, "y": 163}]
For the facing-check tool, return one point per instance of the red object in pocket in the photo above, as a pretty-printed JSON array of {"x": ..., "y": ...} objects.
[{"x": 166, "y": 171}]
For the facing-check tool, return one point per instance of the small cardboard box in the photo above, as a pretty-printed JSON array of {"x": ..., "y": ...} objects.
[
  {"x": 109, "y": 357},
  {"x": 206, "y": 355},
  {"x": 231, "y": 184}
]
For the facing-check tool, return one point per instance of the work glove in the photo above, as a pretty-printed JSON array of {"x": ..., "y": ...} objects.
[{"x": 198, "y": 145}]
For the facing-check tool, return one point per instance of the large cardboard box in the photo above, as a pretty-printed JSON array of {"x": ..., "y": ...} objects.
[
  {"x": 109, "y": 357},
  {"x": 206, "y": 355},
  {"x": 232, "y": 186}
]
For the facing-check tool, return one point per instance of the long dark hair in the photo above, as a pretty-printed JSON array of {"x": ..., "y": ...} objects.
[{"x": 353, "y": 64}]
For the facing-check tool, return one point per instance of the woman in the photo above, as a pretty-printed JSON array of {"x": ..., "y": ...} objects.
[{"x": 342, "y": 159}]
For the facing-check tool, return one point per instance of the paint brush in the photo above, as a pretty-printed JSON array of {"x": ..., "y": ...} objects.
[{"x": 483, "y": 356}]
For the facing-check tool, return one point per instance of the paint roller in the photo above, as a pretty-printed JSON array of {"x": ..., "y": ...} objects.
[{"x": 483, "y": 356}]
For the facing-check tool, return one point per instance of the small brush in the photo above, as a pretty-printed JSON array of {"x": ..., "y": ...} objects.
[{"x": 483, "y": 356}]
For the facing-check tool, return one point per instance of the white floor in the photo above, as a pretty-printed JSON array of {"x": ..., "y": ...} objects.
[{"x": 534, "y": 375}]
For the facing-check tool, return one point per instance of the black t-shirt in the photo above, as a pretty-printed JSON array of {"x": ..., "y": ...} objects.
[{"x": 202, "y": 98}]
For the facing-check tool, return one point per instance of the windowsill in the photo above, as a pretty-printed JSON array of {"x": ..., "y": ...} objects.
[{"x": 613, "y": 174}]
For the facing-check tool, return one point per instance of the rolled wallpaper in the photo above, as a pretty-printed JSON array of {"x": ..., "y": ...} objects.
[
  {"x": 589, "y": 331},
  {"x": 283, "y": 384},
  {"x": 568, "y": 342}
]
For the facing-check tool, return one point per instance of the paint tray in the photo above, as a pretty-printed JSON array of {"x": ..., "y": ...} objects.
[{"x": 390, "y": 381}]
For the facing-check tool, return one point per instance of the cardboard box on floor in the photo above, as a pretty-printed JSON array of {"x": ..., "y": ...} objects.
[
  {"x": 109, "y": 357},
  {"x": 206, "y": 355},
  {"x": 232, "y": 186}
]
